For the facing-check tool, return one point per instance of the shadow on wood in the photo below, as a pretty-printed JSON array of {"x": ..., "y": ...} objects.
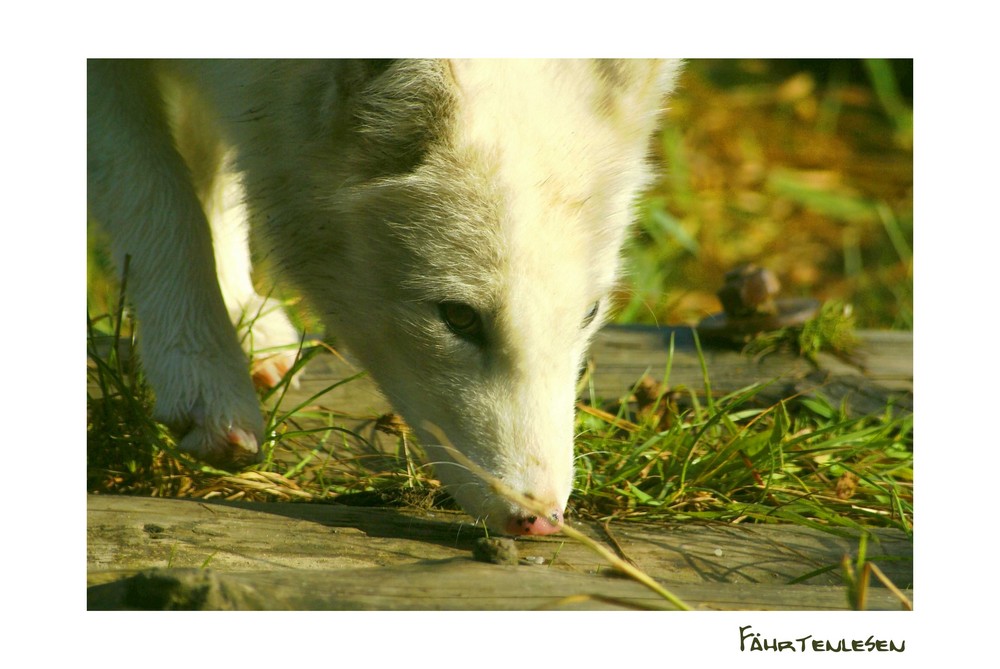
[{"x": 324, "y": 556}]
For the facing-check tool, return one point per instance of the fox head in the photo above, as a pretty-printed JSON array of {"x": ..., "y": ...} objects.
[{"x": 458, "y": 224}]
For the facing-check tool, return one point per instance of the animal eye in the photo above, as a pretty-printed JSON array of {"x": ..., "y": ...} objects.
[
  {"x": 462, "y": 320},
  {"x": 591, "y": 314}
]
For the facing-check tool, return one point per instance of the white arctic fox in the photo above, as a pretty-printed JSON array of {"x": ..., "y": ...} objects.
[{"x": 457, "y": 224}]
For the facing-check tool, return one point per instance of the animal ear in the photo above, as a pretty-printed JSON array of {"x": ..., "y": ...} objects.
[
  {"x": 635, "y": 76},
  {"x": 357, "y": 74},
  {"x": 331, "y": 90},
  {"x": 635, "y": 90}
]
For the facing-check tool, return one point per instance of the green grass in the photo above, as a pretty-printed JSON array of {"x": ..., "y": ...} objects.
[
  {"x": 675, "y": 456},
  {"x": 730, "y": 460},
  {"x": 764, "y": 163},
  {"x": 681, "y": 454},
  {"x": 307, "y": 455},
  {"x": 772, "y": 167}
]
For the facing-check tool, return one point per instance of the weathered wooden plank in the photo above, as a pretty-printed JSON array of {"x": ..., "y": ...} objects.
[
  {"x": 451, "y": 584},
  {"x": 369, "y": 548},
  {"x": 883, "y": 371}
]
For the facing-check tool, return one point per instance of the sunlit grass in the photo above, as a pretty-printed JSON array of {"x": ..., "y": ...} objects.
[
  {"x": 754, "y": 173},
  {"x": 731, "y": 460},
  {"x": 680, "y": 454}
]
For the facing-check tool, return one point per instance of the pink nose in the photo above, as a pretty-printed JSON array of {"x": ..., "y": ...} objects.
[{"x": 535, "y": 524}]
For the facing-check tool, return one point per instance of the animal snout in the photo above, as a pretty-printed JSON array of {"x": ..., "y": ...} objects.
[{"x": 537, "y": 525}]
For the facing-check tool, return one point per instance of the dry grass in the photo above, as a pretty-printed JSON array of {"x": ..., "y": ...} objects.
[{"x": 802, "y": 172}]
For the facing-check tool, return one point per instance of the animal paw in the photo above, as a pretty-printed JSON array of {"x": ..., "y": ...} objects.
[
  {"x": 234, "y": 448},
  {"x": 225, "y": 440},
  {"x": 209, "y": 402},
  {"x": 270, "y": 339},
  {"x": 268, "y": 371}
]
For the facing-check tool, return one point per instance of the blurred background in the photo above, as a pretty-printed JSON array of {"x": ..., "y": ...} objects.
[{"x": 801, "y": 166}]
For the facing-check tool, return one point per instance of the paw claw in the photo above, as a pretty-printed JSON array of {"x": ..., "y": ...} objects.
[
  {"x": 242, "y": 439},
  {"x": 269, "y": 371},
  {"x": 234, "y": 448}
]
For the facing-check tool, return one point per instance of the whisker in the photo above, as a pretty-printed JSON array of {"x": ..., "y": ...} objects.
[
  {"x": 498, "y": 487},
  {"x": 439, "y": 463}
]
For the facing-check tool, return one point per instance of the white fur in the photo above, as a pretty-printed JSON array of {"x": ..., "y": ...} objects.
[{"x": 504, "y": 185}]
